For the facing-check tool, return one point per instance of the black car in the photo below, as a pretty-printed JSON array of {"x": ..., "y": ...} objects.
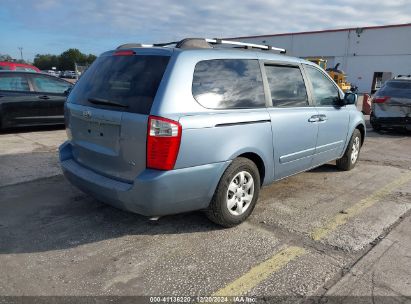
[
  {"x": 28, "y": 99},
  {"x": 391, "y": 105}
]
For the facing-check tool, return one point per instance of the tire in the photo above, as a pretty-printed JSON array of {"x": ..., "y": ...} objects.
[
  {"x": 352, "y": 153},
  {"x": 224, "y": 196},
  {"x": 1, "y": 122},
  {"x": 376, "y": 127}
]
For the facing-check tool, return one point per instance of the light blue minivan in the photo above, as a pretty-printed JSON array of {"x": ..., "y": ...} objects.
[{"x": 202, "y": 124}]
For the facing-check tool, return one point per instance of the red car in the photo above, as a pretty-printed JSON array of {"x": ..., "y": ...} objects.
[{"x": 14, "y": 66}]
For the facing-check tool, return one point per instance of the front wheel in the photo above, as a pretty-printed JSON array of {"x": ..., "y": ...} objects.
[
  {"x": 236, "y": 194},
  {"x": 352, "y": 153}
]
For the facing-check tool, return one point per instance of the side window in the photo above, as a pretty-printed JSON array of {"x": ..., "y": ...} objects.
[
  {"x": 287, "y": 86},
  {"x": 228, "y": 84},
  {"x": 46, "y": 84},
  {"x": 325, "y": 92},
  {"x": 14, "y": 83}
]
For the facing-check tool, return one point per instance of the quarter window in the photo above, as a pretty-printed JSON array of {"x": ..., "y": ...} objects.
[
  {"x": 228, "y": 84},
  {"x": 14, "y": 83},
  {"x": 287, "y": 86},
  {"x": 47, "y": 84},
  {"x": 325, "y": 92}
]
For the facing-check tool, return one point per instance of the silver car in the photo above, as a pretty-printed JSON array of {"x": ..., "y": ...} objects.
[
  {"x": 192, "y": 125},
  {"x": 391, "y": 105}
]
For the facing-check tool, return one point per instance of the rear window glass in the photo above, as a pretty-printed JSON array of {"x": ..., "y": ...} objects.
[
  {"x": 228, "y": 83},
  {"x": 131, "y": 81},
  {"x": 396, "y": 89}
]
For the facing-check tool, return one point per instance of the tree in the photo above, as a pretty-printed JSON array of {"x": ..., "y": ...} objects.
[
  {"x": 71, "y": 56},
  {"x": 64, "y": 61},
  {"x": 91, "y": 58},
  {"x": 5, "y": 57},
  {"x": 46, "y": 61}
]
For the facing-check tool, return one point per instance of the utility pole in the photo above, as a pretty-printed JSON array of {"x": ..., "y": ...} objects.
[{"x": 21, "y": 52}]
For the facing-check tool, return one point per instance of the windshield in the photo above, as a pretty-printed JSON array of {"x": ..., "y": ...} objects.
[{"x": 130, "y": 81}]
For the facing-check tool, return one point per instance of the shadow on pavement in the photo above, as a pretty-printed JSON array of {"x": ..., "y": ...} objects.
[
  {"x": 49, "y": 214},
  {"x": 325, "y": 168},
  {"x": 388, "y": 133},
  {"x": 32, "y": 129}
]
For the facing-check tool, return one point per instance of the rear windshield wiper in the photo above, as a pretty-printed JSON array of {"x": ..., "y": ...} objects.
[{"x": 107, "y": 102}]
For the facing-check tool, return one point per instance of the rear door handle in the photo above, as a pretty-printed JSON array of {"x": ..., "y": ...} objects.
[
  {"x": 314, "y": 118},
  {"x": 44, "y": 97}
]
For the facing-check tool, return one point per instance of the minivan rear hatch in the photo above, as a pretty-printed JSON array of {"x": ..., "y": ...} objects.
[{"x": 108, "y": 109}]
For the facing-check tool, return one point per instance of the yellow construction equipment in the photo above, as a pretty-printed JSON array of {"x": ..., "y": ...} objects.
[{"x": 336, "y": 74}]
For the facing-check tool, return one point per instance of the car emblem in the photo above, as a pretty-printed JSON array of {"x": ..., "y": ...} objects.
[{"x": 86, "y": 114}]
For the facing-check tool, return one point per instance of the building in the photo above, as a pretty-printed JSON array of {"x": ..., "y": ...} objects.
[{"x": 368, "y": 55}]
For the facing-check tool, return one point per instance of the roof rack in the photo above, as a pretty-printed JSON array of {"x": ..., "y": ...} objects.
[
  {"x": 205, "y": 43},
  {"x": 406, "y": 77},
  {"x": 246, "y": 45}
]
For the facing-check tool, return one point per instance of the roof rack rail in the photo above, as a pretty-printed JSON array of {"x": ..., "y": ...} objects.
[
  {"x": 406, "y": 77},
  {"x": 246, "y": 44},
  {"x": 135, "y": 45},
  {"x": 204, "y": 43}
]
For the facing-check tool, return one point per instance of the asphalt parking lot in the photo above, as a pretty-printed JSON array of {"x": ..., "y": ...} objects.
[{"x": 323, "y": 232}]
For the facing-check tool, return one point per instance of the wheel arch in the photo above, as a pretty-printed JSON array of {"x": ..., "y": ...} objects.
[
  {"x": 361, "y": 128},
  {"x": 258, "y": 161}
]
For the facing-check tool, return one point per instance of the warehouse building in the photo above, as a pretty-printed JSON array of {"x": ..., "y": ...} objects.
[{"x": 368, "y": 55}]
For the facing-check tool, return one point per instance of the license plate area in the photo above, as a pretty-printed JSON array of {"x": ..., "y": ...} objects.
[
  {"x": 97, "y": 136},
  {"x": 95, "y": 129}
]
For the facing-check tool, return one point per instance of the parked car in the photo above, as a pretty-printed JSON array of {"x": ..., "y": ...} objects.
[
  {"x": 14, "y": 66},
  {"x": 28, "y": 99},
  {"x": 51, "y": 72},
  {"x": 163, "y": 130},
  {"x": 391, "y": 105},
  {"x": 70, "y": 74}
]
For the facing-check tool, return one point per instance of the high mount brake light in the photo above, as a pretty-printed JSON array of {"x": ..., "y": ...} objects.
[
  {"x": 124, "y": 53},
  {"x": 163, "y": 143}
]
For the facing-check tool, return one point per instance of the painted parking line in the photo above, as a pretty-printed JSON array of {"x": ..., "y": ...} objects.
[
  {"x": 341, "y": 218},
  {"x": 259, "y": 273}
]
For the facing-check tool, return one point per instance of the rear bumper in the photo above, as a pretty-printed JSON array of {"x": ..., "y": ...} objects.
[
  {"x": 153, "y": 192},
  {"x": 391, "y": 122}
]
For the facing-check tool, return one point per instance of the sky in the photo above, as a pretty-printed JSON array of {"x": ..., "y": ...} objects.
[{"x": 94, "y": 26}]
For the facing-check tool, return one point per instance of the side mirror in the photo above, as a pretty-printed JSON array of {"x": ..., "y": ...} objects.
[
  {"x": 350, "y": 98},
  {"x": 67, "y": 92}
]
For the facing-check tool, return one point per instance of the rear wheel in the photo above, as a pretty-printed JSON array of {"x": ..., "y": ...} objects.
[
  {"x": 352, "y": 153},
  {"x": 376, "y": 127},
  {"x": 236, "y": 194}
]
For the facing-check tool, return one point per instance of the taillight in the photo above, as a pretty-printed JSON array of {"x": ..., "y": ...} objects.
[
  {"x": 380, "y": 99},
  {"x": 163, "y": 143}
]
